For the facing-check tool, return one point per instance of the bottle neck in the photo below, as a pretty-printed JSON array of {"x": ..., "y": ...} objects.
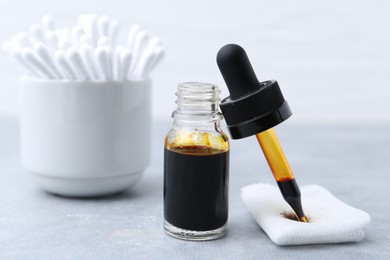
[{"x": 197, "y": 103}]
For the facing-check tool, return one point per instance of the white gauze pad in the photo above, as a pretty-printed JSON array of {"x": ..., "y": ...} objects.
[{"x": 330, "y": 220}]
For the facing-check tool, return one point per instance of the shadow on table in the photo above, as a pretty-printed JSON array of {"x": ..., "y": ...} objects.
[{"x": 145, "y": 188}]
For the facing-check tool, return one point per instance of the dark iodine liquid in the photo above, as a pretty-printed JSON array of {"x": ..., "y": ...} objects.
[{"x": 196, "y": 185}]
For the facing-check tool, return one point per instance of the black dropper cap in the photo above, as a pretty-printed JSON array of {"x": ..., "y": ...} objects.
[{"x": 252, "y": 106}]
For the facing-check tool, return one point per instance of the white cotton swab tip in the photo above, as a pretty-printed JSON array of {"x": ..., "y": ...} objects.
[
  {"x": 52, "y": 40},
  {"x": 77, "y": 32},
  {"x": 63, "y": 63},
  {"x": 103, "y": 25},
  {"x": 125, "y": 62},
  {"x": 110, "y": 55},
  {"x": 16, "y": 54},
  {"x": 64, "y": 44},
  {"x": 77, "y": 63},
  {"x": 34, "y": 61},
  {"x": 103, "y": 42},
  {"x": 150, "y": 63},
  {"x": 44, "y": 54},
  {"x": 102, "y": 61},
  {"x": 87, "y": 54},
  {"x": 131, "y": 37},
  {"x": 154, "y": 42},
  {"x": 113, "y": 31},
  {"x": 116, "y": 62},
  {"x": 91, "y": 28},
  {"x": 85, "y": 39},
  {"x": 140, "y": 44}
]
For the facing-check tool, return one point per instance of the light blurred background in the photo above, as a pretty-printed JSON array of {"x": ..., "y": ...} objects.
[{"x": 331, "y": 58}]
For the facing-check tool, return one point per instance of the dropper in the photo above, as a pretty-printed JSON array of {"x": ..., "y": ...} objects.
[{"x": 254, "y": 108}]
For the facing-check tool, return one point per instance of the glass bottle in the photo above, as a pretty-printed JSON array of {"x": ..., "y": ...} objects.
[{"x": 196, "y": 166}]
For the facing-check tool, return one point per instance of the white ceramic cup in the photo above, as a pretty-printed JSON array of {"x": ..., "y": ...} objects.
[{"x": 85, "y": 138}]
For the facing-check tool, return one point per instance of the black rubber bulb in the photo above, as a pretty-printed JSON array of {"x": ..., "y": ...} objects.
[
  {"x": 252, "y": 106},
  {"x": 237, "y": 70}
]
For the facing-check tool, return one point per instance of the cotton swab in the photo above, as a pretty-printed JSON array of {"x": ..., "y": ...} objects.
[
  {"x": 87, "y": 51},
  {"x": 131, "y": 38},
  {"x": 153, "y": 60},
  {"x": 146, "y": 55},
  {"x": 17, "y": 55},
  {"x": 125, "y": 62},
  {"x": 103, "y": 42},
  {"x": 60, "y": 58},
  {"x": 103, "y": 62},
  {"x": 116, "y": 62},
  {"x": 51, "y": 39},
  {"x": 103, "y": 25},
  {"x": 34, "y": 61},
  {"x": 113, "y": 31},
  {"x": 160, "y": 54},
  {"x": 43, "y": 52},
  {"x": 91, "y": 28},
  {"x": 77, "y": 63},
  {"x": 139, "y": 45},
  {"x": 64, "y": 44},
  {"x": 153, "y": 43},
  {"x": 85, "y": 39},
  {"x": 64, "y": 34},
  {"x": 116, "y": 59},
  {"x": 87, "y": 55},
  {"x": 77, "y": 32},
  {"x": 110, "y": 55}
]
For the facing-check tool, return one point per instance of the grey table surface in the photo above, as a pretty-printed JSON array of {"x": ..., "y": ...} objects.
[{"x": 351, "y": 161}]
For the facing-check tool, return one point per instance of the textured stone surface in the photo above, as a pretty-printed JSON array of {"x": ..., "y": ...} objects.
[{"x": 351, "y": 161}]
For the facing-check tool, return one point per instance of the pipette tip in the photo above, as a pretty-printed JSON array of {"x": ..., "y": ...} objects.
[{"x": 303, "y": 219}]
